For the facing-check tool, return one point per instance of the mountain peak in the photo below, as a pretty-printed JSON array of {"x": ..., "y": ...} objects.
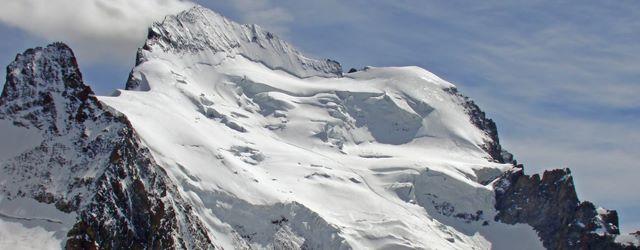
[
  {"x": 200, "y": 29},
  {"x": 38, "y": 81},
  {"x": 53, "y": 66}
]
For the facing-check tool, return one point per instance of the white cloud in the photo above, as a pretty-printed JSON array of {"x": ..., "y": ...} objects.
[{"x": 98, "y": 30}]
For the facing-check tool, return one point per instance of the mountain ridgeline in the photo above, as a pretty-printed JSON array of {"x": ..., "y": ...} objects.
[{"x": 226, "y": 136}]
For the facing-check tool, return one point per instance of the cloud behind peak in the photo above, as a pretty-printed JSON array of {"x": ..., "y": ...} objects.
[{"x": 98, "y": 30}]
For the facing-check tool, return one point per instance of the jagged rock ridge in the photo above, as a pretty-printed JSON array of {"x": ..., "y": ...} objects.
[{"x": 550, "y": 204}]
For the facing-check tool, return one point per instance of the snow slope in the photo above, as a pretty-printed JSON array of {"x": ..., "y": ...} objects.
[{"x": 274, "y": 149}]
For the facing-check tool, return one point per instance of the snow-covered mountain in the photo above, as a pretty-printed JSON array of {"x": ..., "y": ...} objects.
[{"x": 228, "y": 137}]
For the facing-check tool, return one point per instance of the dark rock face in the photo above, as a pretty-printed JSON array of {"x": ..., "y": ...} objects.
[
  {"x": 550, "y": 205},
  {"x": 135, "y": 199},
  {"x": 35, "y": 80},
  {"x": 480, "y": 120},
  {"x": 44, "y": 91},
  {"x": 90, "y": 161}
]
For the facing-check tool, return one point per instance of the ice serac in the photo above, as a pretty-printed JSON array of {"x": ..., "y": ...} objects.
[
  {"x": 200, "y": 29},
  {"x": 90, "y": 164}
]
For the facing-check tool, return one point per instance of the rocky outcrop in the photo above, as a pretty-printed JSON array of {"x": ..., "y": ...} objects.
[
  {"x": 551, "y": 206},
  {"x": 36, "y": 80},
  {"x": 90, "y": 161}
]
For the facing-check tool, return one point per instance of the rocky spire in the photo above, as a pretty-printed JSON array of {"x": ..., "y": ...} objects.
[{"x": 44, "y": 89}]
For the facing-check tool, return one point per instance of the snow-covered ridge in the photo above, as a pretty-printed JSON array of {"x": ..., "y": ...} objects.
[{"x": 200, "y": 29}]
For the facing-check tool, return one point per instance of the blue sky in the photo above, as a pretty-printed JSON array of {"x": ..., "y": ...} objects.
[{"x": 561, "y": 78}]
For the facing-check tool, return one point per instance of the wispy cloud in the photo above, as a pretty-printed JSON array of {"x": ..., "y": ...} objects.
[{"x": 98, "y": 30}]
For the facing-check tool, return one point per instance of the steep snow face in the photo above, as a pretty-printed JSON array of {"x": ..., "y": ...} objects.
[
  {"x": 272, "y": 157},
  {"x": 200, "y": 29}
]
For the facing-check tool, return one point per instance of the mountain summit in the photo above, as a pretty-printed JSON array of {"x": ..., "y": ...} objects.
[
  {"x": 227, "y": 137},
  {"x": 200, "y": 29}
]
